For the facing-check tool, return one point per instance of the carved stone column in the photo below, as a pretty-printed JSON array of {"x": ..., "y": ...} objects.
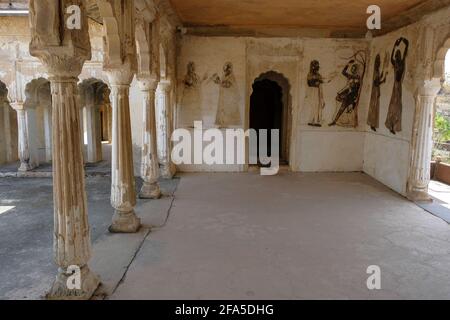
[
  {"x": 419, "y": 177},
  {"x": 28, "y": 161},
  {"x": 48, "y": 133},
  {"x": 93, "y": 130},
  {"x": 123, "y": 194},
  {"x": 168, "y": 169},
  {"x": 150, "y": 164},
  {"x": 63, "y": 52}
]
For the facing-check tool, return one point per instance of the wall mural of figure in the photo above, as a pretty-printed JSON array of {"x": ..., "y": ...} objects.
[
  {"x": 228, "y": 113},
  {"x": 315, "y": 94},
  {"x": 190, "y": 107},
  {"x": 315, "y": 82},
  {"x": 349, "y": 96},
  {"x": 398, "y": 60},
  {"x": 379, "y": 77}
]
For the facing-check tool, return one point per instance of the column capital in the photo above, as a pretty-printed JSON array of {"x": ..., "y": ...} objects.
[
  {"x": 430, "y": 88},
  {"x": 62, "y": 50},
  {"x": 147, "y": 83},
  {"x": 121, "y": 75},
  {"x": 18, "y": 106},
  {"x": 164, "y": 85}
]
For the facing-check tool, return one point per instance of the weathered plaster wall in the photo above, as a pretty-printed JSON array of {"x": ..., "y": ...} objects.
[
  {"x": 386, "y": 156},
  {"x": 311, "y": 149}
]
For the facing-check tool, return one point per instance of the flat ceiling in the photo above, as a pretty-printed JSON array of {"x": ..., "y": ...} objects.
[{"x": 335, "y": 14}]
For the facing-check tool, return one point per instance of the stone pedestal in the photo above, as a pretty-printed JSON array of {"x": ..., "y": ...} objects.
[{"x": 150, "y": 164}]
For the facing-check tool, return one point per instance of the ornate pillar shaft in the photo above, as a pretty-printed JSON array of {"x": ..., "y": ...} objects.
[
  {"x": 150, "y": 164},
  {"x": 72, "y": 232},
  {"x": 123, "y": 194},
  {"x": 109, "y": 118},
  {"x": 165, "y": 130},
  {"x": 93, "y": 130},
  {"x": 63, "y": 52},
  {"x": 24, "y": 152},
  {"x": 419, "y": 177},
  {"x": 48, "y": 133},
  {"x": 25, "y": 156}
]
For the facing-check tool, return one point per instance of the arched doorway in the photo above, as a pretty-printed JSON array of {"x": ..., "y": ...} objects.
[{"x": 270, "y": 109}]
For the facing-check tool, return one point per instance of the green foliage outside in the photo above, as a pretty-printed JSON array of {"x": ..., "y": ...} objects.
[{"x": 442, "y": 138}]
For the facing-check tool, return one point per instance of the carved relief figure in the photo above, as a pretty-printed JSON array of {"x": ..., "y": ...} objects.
[
  {"x": 349, "y": 96},
  {"x": 228, "y": 113},
  {"x": 398, "y": 60},
  {"x": 191, "y": 109},
  {"x": 373, "y": 119}
]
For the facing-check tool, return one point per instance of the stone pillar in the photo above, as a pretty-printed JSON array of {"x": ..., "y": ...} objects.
[
  {"x": 123, "y": 194},
  {"x": 168, "y": 169},
  {"x": 63, "y": 53},
  {"x": 419, "y": 177},
  {"x": 28, "y": 160},
  {"x": 82, "y": 126},
  {"x": 109, "y": 117},
  {"x": 150, "y": 164},
  {"x": 48, "y": 133},
  {"x": 93, "y": 130}
]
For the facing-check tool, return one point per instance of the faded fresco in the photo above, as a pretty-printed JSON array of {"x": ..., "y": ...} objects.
[
  {"x": 398, "y": 60},
  {"x": 191, "y": 106},
  {"x": 228, "y": 113},
  {"x": 379, "y": 77},
  {"x": 348, "y": 98}
]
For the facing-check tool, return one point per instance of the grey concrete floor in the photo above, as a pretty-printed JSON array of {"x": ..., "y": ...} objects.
[
  {"x": 26, "y": 255},
  {"x": 293, "y": 236},
  {"x": 237, "y": 236}
]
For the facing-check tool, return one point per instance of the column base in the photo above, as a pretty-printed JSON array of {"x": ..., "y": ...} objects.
[
  {"x": 419, "y": 196},
  {"x": 60, "y": 291},
  {"x": 150, "y": 191},
  {"x": 125, "y": 222},
  {"x": 24, "y": 167},
  {"x": 167, "y": 171}
]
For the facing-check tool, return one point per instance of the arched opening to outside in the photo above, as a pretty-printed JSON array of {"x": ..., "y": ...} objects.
[
  {"x": 38, "y": 128},
  {"x": 270, "y": 109},
  {"x": 96, "y": 118},
  {"x": 440, "y": 165}
]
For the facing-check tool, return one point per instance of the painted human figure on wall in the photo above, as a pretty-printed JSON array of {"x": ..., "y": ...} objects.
[
  {"x": 398, "y": 60},
  {"x": 191, "y": 108},
  {"x": 349, "y": 96},
  {"x": 315, "y": 81},
  {"x": 373, "y": 119},
  {"x": 228, "y": 113}
]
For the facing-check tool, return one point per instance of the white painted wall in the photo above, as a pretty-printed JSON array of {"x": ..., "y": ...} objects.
[{"x": 323, "y": 149}]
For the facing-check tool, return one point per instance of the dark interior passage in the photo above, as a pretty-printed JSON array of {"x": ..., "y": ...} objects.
[{"x": 266, "y": 109}]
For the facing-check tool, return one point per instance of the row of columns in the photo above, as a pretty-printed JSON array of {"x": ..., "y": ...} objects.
[
  {"x": 28, "y": 131},
  {"x": 63, "y": 52}
]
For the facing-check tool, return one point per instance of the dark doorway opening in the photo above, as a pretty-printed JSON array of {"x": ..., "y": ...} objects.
[{"x": 266, "y": 111}]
